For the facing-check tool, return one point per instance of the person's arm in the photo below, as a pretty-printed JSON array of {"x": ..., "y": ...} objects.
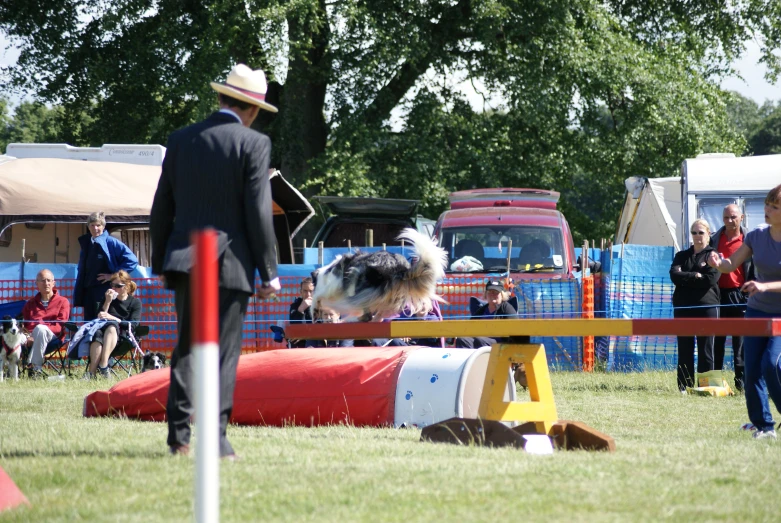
[
  {"x": 161, "y": 218},
  {"x": 508, "y": 311},
  {"x": 296, "y": 314},
  {"x": 63, "y": 314},
  {"x": 686, "y": 278},
  {"x": 126, "y": 259},
  {"x": 753, "y": 287},
  {"x": 725, "y": 265},
  {"x": 258, "y": 208}
]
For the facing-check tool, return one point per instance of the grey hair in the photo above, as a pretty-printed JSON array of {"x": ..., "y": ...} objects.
[{"x": 97, "y": 217}]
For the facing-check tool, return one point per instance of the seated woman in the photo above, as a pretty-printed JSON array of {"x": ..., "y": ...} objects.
[
  {"x": 326, "y": 315},
  {"x": 121, "y": 310},
  {"x": 496, "y": 306}
]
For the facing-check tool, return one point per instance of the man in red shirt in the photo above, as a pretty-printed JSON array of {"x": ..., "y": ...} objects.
[
  {"x": 44, "y": 315},
  {"x": 726, "y": 241}
]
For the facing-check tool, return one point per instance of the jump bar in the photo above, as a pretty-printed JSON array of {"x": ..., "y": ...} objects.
[{"x": 537, "y": 327}]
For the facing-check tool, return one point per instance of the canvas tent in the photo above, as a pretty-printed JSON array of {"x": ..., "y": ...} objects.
[
  {"x": 651, "y": 212},
  {"x": 659, "y": 211},
  {"x": 45, "y": 201}
]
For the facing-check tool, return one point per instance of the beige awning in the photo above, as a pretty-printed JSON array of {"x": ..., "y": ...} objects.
[{"x": 59, "y": 190}]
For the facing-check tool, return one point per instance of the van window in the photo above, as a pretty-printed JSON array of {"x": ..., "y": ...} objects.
[{"x": 531, "y": 246}]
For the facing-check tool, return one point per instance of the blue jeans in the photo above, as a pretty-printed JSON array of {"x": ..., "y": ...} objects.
[{"x": 762, "y": 360}]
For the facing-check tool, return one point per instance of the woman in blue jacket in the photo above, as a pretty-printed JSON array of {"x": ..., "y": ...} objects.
[{"x": 101, "y": 256}]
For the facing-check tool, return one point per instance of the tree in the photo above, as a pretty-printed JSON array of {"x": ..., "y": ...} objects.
[
  {"x": 766, "y": 138},
  {"x": 591, "y": 91}
]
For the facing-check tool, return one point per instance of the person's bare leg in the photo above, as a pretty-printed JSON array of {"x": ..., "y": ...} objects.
[
  {"x": 94, "y": 356},
  {"x": 109, "y": 342}
]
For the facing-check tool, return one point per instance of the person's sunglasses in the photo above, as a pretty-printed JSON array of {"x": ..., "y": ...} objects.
[
  {"x": 117, "y": 285},
  {"x": 698, "y": 233}
]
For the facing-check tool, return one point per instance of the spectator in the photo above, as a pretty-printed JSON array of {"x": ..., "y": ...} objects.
[
  {"x": 101, "y": 256},
  {"x": 326, "y": 315},
  {"x": 43, "y": 316},
  {"x": 727, "y": 240},
  {"x": 301, "y": 309},
  {"x": 761, "y": 356},
  {"x": 496, "y": 306},
  {"x": 122, "y": 311},
  {"x": 696, "y": 295}
]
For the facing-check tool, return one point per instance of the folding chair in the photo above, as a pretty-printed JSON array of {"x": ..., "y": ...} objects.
[{"x": 127, "y": 356}]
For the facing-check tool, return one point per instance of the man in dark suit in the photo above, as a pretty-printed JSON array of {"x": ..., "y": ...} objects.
[{"x": 215, "y": 174}]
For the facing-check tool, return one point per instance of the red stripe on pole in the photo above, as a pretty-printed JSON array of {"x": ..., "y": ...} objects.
[
  {"x": 338, "y": 331},
  {"x": 204, "y": 301},
  {"x": 706, "y": 327}
]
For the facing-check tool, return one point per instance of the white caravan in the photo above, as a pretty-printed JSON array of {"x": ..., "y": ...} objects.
[{"x": 660, "y": 211}]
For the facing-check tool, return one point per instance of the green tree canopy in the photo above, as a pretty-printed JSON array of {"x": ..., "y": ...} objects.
[{"x": 589, "y": 92}]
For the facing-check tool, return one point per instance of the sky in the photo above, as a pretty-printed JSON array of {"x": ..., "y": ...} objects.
[{"x": 752, "y": 86}]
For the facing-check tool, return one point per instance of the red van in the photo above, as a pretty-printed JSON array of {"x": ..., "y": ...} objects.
[{"x": 488, "y": 229}]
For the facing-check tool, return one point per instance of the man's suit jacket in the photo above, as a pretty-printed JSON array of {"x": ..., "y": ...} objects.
[{"x": 215, "y": 174}]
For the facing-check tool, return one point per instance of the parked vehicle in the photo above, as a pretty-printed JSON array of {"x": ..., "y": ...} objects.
[
  {"x": 350, "y": 219},
  {"x": 503, "y": 228}
]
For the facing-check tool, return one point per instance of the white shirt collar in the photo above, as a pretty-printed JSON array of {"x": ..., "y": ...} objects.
[{"x": 228, "y": 111}]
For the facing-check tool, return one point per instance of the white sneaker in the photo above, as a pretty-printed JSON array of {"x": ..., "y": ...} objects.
[
  {"x": 748, "y": 426},
  {"x": 87, "y": 376},
  {"x": 765, "y": 434}
]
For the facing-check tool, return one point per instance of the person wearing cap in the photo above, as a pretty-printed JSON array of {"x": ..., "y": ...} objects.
[
  {"x": 215, "y": 174},
  {"x": 496, "y": 306}
]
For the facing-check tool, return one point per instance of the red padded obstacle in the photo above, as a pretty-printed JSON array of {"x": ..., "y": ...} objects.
[
  {"x": 298, "y": 386},
  {"x": 10, "y": 495}
]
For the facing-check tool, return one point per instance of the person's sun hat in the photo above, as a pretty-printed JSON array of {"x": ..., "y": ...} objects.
[{"x": 246, "y": 85}]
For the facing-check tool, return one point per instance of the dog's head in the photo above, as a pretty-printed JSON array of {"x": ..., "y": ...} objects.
[
  {"x": 10, "y": 326},
  {"x": 153, "y": 361}
]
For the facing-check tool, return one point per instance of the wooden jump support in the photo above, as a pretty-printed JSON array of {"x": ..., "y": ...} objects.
[{"x": 540, "y": 413}]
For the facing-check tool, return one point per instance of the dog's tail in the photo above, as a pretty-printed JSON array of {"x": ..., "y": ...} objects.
[{"x": 428, "y": 268}]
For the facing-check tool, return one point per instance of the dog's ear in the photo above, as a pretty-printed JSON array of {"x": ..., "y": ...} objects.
[{"x": 161, "y": 356}]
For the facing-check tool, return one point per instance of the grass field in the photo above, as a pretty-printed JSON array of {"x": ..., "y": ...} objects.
[{"x": 678, "y": 458}]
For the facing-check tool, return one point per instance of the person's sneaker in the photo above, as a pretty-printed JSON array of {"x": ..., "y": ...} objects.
[
  {"x": 748, "y": 426},
  {"x": 104, "y": 372},
  {"x": 765, "y": 434},
  {"x": 87, "y": 376},
  {"x": 179, "y": 450}
]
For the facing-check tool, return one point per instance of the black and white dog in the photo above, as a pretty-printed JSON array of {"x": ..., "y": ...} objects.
[
  {"x": 381, "y": 284},
  {"x": 13, "y": 338},
  {"x": 153, "y": 361}
]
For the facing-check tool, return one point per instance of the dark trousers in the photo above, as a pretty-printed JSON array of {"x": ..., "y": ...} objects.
[
  {"x": 232, "y": 309},
  {"x": 94, "y": 296},
  {"x": 686, "y": 348},
  {"x": 733, "y": 306},
  {"x": 475, "y": 343}
]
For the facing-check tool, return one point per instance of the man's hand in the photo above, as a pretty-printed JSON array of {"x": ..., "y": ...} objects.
[
  {"x": 103, "y": 277},
  {"x": 268, "y": 290},
  {"x": 305, "y": 304}
]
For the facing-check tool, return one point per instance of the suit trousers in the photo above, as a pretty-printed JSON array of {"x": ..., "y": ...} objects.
[
  {"x": 686, "y": 347},
  {"x": 232, "y": 309},
  {"x": 733, "y": 306}
]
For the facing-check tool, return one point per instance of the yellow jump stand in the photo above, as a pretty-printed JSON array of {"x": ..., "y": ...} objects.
[{"x": 541, "y": 409}]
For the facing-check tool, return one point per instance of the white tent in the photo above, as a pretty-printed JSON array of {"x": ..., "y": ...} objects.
[{"x": 651, "y": 212}]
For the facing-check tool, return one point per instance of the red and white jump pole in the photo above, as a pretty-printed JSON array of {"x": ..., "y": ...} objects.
[{"x": 205, "y": 339}]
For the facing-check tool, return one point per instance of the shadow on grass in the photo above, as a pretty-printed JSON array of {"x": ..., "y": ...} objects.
[{"x": 145, "y": 454}]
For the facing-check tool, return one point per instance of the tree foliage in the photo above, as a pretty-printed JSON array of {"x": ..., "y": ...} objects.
[{"x": 582, "y": 93}]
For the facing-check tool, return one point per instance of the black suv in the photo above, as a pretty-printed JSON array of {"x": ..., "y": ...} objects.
[{"x": 352, "y": 217}]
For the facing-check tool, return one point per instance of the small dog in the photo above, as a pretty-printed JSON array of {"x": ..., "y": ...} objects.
[
  {"x": 378, "y": 285},
  {"x": 153, "y": 361},
  {"x": 13, "y": 338}
]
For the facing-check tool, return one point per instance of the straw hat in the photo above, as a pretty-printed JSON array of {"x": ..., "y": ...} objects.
[{"x": 246, "y": 85}]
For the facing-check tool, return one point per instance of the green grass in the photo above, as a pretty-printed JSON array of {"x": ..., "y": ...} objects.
[{"x": 678, "y": 458}]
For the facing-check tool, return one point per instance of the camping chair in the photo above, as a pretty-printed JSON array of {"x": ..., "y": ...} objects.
[
  {"x": 278, "y": 335},
  {"x": 127, "y": 356},
  {"x": 54, "y": 357}
]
